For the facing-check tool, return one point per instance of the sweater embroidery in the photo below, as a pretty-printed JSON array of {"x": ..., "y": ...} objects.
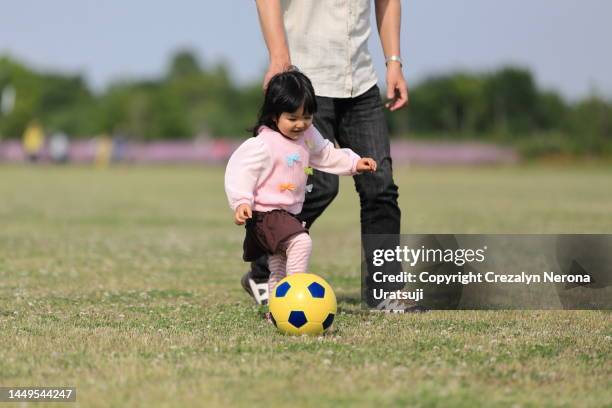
[
  {"x": 287, "y": 187},
  {"x": 292, "y": 158}
]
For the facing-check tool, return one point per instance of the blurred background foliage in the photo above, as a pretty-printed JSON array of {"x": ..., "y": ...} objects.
[{"x": 503, "y": 106}]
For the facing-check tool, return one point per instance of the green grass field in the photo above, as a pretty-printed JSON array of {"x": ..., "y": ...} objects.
[{"x": 124, "y": 282}]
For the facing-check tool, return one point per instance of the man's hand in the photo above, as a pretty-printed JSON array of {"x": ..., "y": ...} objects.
[
  {"x": 243, "y": 213},
  {"x": 275, "y": 67},
  {"x": 397, "y": 90},
  {"x": 366, "y": 165}
]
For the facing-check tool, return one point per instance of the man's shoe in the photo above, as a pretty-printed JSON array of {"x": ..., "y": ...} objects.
[
  {"x": 399, "y": 306},
  {"x": 256, "y": 288}
]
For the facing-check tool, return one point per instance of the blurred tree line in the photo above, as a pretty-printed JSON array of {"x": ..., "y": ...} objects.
[
  {"x": 191, "y": 99},
  {"x": 506, "y": 106}
]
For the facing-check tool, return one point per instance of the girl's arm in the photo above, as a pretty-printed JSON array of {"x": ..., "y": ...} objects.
[
  {"x": 325, "y": 157},
  {"x": 243, "y": 170}
]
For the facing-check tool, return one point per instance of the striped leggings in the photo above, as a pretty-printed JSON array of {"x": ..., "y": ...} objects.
[{"x": 292, "y": 257}]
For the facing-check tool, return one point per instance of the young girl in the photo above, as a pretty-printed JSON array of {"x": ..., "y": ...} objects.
[{"x": 265, "y": 179}]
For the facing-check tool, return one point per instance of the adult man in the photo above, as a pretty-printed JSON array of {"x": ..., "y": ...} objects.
[{"x": 328, "y": 42}]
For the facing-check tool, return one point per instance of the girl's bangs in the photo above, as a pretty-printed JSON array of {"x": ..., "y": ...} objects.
[{"x": 310, "y": 104}]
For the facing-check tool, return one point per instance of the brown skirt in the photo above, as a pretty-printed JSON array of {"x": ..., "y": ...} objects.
[{"x": 266, "y": 230}]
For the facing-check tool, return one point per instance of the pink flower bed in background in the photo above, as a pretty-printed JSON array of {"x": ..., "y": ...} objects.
[{"x": 212, "y": 151}]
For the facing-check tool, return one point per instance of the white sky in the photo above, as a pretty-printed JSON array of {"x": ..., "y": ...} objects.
[{"x": 567, "y": 43}]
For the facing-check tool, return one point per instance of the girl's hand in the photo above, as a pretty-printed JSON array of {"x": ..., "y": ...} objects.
[
  {"x": 243, "y": 213},
  {"x": 366, "y": 165}
]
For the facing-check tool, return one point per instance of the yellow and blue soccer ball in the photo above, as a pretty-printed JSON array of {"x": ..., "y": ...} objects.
[{"x": 303, "y": 303}]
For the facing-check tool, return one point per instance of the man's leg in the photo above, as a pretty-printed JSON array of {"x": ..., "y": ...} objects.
[
  {"x": 324, "y": 190},
  {"x": 364, "y": 130}
]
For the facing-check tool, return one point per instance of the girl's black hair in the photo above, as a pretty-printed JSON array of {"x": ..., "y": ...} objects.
[{"x": 286, "y": 92}]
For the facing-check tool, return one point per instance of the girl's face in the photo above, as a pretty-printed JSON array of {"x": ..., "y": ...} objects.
[{"x": 293, "y": 124}]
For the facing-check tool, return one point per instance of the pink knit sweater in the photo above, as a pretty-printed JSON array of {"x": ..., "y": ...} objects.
[{"x": 269, "y": 171}]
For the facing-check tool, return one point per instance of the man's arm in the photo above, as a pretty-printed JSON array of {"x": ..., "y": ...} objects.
[
  {"x": 388, "y": 19},
  {"x": 273, "y": 30}
]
